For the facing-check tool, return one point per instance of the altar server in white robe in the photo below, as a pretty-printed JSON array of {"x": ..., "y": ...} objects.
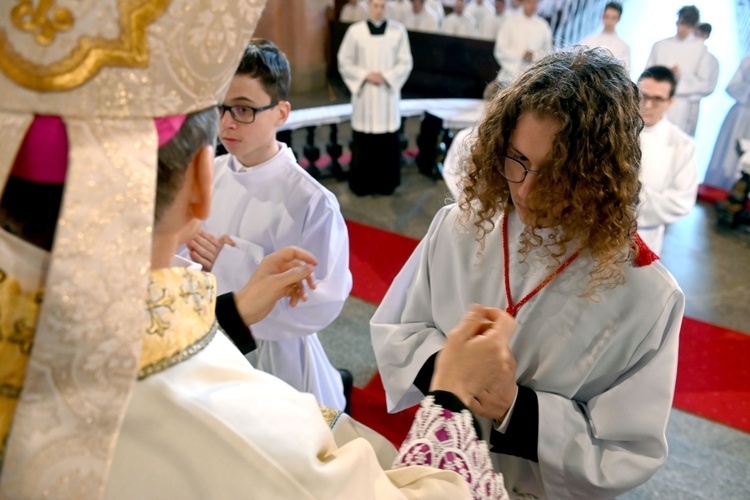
[
  {"x": 459, "y": 22},
  {"x": 397, "y": 9},
  {"x": 130, "y": 390},
  {"x": 265, "y": 201},
  {"x": 668, "y": 171},
  {"x": 353, "y": 11},
  {"x": 489, "y": 26},
  {"x": 524, "y": 38},
  {"x": 694, "y": 67},
  {"x": 608, "y": 37},
  {"x": 375, "y": 61},
  {"x": 722, "y": 170},
  {"x": 480, "y": 9},
  {"x": 583, "y": 397},
  {"x": 437, "y": 6},
  {"x": 421, "y": 18}
]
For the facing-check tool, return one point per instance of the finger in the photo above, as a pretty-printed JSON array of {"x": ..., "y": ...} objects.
[
  {"x": 208, "y": 240},
  {"x": 505, "y": 325},
  {"x": 292, "y": 276},
  {"x": 227, "y": 240},
  {"x": 196, "y": 257},
  {"x": 471, "y": 324},
  {"x": 295, "y": 253}
]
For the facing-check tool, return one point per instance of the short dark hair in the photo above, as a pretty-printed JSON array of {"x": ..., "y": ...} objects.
[
  {"x": 266, "y": 62},
  {"x": 689, "y": 15},
  {"x": 198, "y": 130},
  {"x": 704, "y": 28},
  {"x": 660, "y": 74},
  {"x": 614, "y": 6}
]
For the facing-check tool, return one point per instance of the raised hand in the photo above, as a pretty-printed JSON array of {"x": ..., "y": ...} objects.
[
  {"x": 205, "y": 247},
  {"x": 281, "y": 274}
]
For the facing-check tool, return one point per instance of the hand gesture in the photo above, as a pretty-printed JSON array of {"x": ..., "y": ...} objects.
[
  {"x": 205, "y": 247},
  {"x": 476, "y": 363},
  {"x": 375, "y": 78},
  {"x": 280, "y": 274}
]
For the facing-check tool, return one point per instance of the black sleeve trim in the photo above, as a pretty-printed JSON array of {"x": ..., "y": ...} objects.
[
  {"x": 424, "y": 377},
  {"x": 450, "y": 401},
  {"x": 521, "y": 438},
  {"x": 230, "y": 321}
]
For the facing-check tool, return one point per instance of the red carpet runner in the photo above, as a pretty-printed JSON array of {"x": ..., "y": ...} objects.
[{"x": 713, "y": 376}]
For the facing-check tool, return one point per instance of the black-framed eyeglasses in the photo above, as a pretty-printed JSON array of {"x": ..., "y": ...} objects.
[
  {"x": 656, "y": 99},
  {"x": 512, "y": 169},
  {"x": 242, "y": 113}
]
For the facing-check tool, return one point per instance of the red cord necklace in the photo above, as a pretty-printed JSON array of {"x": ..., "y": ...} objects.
[{"x": 513, "y": 309}]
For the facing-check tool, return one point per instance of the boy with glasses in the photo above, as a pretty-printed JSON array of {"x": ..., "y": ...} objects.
[
  {"x": 264, "y": 201},
  {"x": 669, "y": 175}
]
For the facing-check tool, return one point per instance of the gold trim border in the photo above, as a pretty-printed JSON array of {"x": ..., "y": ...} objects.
[{"x": 90, "y": 55}]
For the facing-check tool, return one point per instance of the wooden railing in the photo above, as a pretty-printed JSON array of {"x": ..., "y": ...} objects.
[{"x": 452, "y": 113}]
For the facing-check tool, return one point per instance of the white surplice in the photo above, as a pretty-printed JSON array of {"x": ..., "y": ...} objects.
[
  {"x": 614, "y": 43},
  {"x": 427, "y": 21},
  {"x": 698, "y": 73},
  {"x": 489, "y": 26},
  {"x": 603, "y": 370},
  {"x": 723, "y": 171},
  {"x": 397, "y": 9},
  {"x": 453, "y": 165},
  {"x": 463, "y": 25},
  {"x": 266, "y": 208},
  {"x": 375, "y": 108},
  {"x": 669, "y": 180},
  {"x": 520, "y": 33},
  {"x": 479, "y": 11}
]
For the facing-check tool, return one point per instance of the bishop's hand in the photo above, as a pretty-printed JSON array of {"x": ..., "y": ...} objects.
[{"x": 476, "y": 363}]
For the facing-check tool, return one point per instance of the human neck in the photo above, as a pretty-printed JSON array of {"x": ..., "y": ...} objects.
[
  {"x": 260, "y": 155},
  {"x": 163, "y": 248}
]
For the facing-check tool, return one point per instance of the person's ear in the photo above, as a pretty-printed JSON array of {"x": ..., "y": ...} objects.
[
  {"x": 283, "y": 110},
  {"x": 202, "y": 168}
]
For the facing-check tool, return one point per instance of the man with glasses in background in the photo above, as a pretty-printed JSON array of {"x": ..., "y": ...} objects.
[
  {"x": 264, "y": 201},
  {"x": 668, "y": 171}
]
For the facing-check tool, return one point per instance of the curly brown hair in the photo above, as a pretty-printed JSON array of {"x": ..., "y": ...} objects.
[{"x": 589, "y": 182}]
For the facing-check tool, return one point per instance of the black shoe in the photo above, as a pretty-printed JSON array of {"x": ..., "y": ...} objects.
[{"x": 348, "y": 380}]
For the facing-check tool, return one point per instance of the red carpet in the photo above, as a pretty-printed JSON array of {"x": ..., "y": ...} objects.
[
  {"x": 713, "y": 194},
  {"x": 713, "y": 375}
]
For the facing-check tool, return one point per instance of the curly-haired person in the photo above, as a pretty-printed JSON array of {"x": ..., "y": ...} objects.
[{"x": 545, "y": 229}]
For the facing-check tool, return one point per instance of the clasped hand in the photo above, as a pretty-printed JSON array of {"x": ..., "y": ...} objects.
[{"x": 476, "y": 363}]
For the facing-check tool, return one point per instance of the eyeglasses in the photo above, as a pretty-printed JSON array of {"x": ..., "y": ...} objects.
[
  {"x": 656, "y": 99},
  {"x": 512, "y": 169},
  {"x": 242, "y": 113}
]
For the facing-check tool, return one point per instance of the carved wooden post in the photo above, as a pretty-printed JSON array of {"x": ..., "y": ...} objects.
[
  {"x": 334, "y": 150},
  {"x": 312, "y": 153}
]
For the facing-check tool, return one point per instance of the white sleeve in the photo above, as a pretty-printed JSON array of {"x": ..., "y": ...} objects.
[
  {"x": 703, "y": 81},
  {"x": 402, "y": 330},
  {"x": 586, "y": 448},
  {"x": 546, "y": 46},
  {"x": 324, "y": 235},
  {"x": 652, "y": 57},
  {"x": 397, "y": 75},
  {"x": 509, "y": 55},
  {"x": 348, "y": 60},
  {"x": 739, "y": 86},
  {"x": 665, "y": 206}
]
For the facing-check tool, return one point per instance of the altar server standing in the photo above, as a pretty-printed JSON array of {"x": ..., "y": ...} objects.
[
  {"x": 375, "y": 61},
  {"x": 459, "y": 22},
  {"x": 421, "y": 18},
  {"x": 722, "y": 170},
  {"x": 687, "y": 57},
  {"x": 608, "y": 37},
  {"x": 524, "y": 38}
]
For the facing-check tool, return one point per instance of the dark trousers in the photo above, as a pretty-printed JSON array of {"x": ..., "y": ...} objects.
[{"x": 376, "y": 163}]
